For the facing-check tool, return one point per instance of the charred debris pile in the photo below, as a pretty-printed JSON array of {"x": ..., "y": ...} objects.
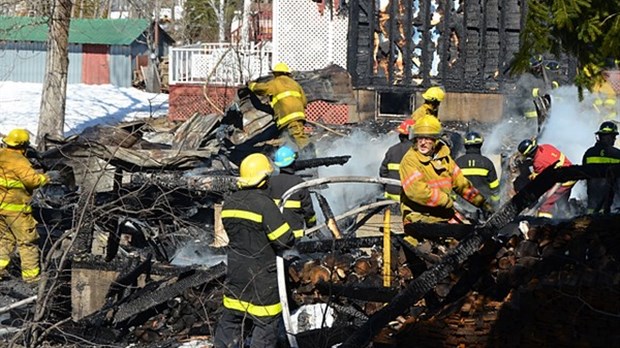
[
  {"x": 131, "y": 264},
  {"x": 127, "y": 258}
]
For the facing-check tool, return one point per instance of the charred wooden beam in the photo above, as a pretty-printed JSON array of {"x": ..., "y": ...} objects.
[
  {"x": 319, "y": 162},
  {"x": 216, "y": 182},
  {"x": 143, "y": 301},
  {"x": 129, "y": 278},
  {"x": 323, "y": 246},
  {"x": 437, "y": 231}
]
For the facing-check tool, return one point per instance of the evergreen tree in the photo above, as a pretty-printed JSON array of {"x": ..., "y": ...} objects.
[{"x": 586, "y": 29}]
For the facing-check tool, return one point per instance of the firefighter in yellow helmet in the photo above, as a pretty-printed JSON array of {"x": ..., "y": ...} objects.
[
  {"x": 18, "y": 180},
  {"x": 288, "y": 101},
  {"x": 428, "y": 175},
  {"x": 257, "y": 232},
  {"x": 432, "y": 98}
]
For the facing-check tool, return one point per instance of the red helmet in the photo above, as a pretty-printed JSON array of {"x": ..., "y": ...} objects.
[{"x": 404, "y": 127}]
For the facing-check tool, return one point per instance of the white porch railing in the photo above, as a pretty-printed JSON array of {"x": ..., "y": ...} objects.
[{"x": 229, "y": 64}]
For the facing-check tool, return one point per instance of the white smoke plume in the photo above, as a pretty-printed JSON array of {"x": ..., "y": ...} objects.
[
  {"x": 570, "y": 127},
  {"x": 367, "y": 152}
]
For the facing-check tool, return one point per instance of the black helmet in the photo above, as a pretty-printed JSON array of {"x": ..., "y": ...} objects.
[
  {"x": 473, "y": 138},
  {"x": 527, "y": 147},
  {"x": 607, "y": 127}
]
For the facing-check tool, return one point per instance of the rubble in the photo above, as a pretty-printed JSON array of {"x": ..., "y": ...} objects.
[{"x": 127, "y": 208}]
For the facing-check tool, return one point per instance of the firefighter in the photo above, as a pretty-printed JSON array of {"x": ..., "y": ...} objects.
[
  {"x": 478, "y": 169},
  {"x": 600, "y": 190},
  {"x": 428, "y": 175},
  {"x": 298, "y": 210},
  {"x": 288, "y": 101},
  {"x": 544, "y": 156},
  {"x": 391, "y": 161},
  {"x": 605, "y": 98},
  {"x": 432, "y": 98},
  {"x": 257, "y": 231},
  {"x": 18, "y": 180}
]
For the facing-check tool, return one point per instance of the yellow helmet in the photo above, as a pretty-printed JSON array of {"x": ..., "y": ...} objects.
[
  {"x": 427, "y": 126},
  {"x": 17, "y": 137},
  {"x": 281, "y": 68},
  {"x": 253, "y": 170},
  {"x": 434, "y": 94}
]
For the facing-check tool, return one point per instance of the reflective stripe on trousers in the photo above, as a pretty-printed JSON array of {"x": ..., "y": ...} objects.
[{"x": 250, "y": 308}]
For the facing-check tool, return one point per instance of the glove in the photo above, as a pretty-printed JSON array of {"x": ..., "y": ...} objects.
[
  {"x": 532, "y": 176},
  {"x": 54, "y": 176}
]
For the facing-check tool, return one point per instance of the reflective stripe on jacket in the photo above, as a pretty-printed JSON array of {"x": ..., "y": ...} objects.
[
  {"x": 298, "y": 210},
  {"x": 17, "y": 181},
  {"x": 601, "y": 190},
  {"x": 288, "y": 99},
  {"x": 545, "y": 156},
  {"x": 428, "y": 182},
  {"x": 256, "y": 230},
  {"x": 480, "y": 171}
]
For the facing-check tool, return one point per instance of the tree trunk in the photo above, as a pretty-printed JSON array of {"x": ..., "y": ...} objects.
[{"x": 53, "y": 97}]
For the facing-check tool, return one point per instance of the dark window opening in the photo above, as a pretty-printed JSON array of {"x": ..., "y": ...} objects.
[{"x": 394, "y": 103}]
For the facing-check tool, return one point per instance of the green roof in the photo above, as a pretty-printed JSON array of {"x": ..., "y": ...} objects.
[{"x": 81, "y": 31}]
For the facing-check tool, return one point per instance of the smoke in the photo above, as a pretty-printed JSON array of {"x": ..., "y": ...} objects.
[
  {"x": 197, "y": 253},
  {"x": 570, "y": 127},
  {"x": 367, "y": 152}
]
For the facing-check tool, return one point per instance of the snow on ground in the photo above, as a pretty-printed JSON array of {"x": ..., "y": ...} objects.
[{"x": 87, "y": 105}]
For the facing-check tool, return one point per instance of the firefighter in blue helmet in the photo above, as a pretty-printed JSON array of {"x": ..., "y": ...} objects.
[{"x": 298, "y": 210}]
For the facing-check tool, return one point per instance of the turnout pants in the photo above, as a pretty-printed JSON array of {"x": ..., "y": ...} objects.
[
  {"x": 234, "y": 326},
  {"x": 20, "y": 230},
  {"x": 296, "y": 131},
  {"x": 560, "y": 196}
]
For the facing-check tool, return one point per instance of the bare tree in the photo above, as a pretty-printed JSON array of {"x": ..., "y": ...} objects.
[
  {"x": 53, "y": 97},
  {"x": 219, "y": 8}
]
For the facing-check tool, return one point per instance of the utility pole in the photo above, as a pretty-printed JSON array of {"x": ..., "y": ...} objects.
[{"x": 54, "y": 95}]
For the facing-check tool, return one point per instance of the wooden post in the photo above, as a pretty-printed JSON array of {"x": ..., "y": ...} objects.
[
  {"x": 387, "y": 249},
  {"x": 220, "y": 237}
]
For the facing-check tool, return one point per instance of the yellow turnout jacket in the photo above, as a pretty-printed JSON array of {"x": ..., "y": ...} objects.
[
  {"x": 287, "y": 98},
  {"x": 17, "y": 181},
  {"x": 427, "y": 183}
]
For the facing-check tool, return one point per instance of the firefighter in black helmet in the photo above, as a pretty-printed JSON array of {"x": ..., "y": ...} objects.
[
  {"x": 602, "y": 192},
  {"x": 257, "y": 231},
  {"x": 479, "y": 169}
]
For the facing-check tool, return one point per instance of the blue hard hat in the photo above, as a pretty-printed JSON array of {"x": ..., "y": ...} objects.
[{"x": 284, "y": 157}]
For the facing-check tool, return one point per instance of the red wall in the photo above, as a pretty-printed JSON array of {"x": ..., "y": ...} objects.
[{"x": 185, "y": 100}]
